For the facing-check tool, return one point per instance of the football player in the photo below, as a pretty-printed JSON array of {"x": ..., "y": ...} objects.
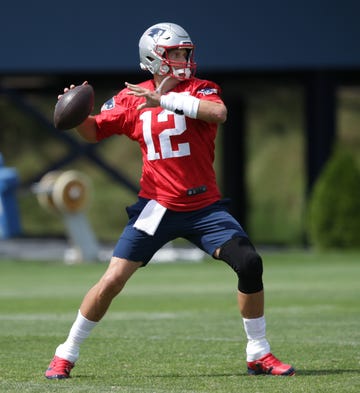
[{"x": 174, "y": 118}]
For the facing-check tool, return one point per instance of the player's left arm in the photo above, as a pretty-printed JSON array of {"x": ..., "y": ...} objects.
[{"x": 211, "y": 112}]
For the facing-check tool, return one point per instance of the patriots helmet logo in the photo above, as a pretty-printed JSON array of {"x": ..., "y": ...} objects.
[{"x": 155, "y": 33}]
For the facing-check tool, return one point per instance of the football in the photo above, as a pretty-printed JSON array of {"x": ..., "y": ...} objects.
[{"x": 74, "y": 107}]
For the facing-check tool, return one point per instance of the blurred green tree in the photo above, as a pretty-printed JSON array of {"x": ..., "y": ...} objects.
[{"x": 334, "y": 206}]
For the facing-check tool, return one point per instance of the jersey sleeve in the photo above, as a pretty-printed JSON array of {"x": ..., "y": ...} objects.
[
  {"x": 207, "y": 90},
  {"x": 117, "y": 116}
]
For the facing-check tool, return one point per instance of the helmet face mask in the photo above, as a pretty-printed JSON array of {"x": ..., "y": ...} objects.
[{"x": 154, "y": 47}]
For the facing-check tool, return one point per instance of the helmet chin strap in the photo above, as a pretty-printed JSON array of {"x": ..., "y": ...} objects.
[{"x": 158, "y": 89}]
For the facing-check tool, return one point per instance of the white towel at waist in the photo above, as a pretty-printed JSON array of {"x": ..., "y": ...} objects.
[{"x": 150, "y": 217}]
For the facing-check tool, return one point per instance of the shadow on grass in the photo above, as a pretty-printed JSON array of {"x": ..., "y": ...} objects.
[
  {"x": 317, "y": 373},
  {"x": 175, "y": 375},
  {"x": 299, "y": 373},
  {"x": 199, "y": 375}
]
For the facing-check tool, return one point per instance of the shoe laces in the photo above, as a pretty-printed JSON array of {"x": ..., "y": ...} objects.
[
  {"x": 271, "y": 360},
  {"x": 59, "y": 364}
]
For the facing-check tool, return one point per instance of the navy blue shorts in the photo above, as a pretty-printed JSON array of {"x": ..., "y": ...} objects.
[{"x": 208, "y": 228}]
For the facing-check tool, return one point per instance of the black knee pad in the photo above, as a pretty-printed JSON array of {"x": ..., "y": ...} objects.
[{"x": 241, "y": 256}]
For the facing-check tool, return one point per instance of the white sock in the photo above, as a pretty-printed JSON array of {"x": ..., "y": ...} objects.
[
  {"x": 80, "y": 330},
  {"x": 257, "y": 345}
]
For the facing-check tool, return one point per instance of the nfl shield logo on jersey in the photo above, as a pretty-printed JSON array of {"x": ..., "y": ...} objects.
[{"x": 109, "y": 104}]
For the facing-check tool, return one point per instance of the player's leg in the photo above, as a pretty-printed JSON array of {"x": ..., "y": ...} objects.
[
  {"x": 92, "y": 309},
  {"x": 242, "y": 257},
  {"x": 100, "y": 296},
  {"x": 133, "y": 245},
  {"x": 221, "y": 236},
  {"x": 251, "y": 305}
]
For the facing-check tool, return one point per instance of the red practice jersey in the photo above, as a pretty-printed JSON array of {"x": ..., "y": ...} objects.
[{"x": 177, "y": 151}]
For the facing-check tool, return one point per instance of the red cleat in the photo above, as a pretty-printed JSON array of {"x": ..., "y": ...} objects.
[
  {"x": 59, "y": 368},
  {"x": 270, "y": 365}
]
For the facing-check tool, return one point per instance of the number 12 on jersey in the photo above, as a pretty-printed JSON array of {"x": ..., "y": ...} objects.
[{"x": 166, "y": 150}]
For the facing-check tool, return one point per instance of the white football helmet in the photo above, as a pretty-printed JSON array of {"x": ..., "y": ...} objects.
[{"x": 154, "y": 45}]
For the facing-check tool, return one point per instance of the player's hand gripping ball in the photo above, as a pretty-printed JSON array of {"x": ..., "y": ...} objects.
[{"x": 73, "y": 107}]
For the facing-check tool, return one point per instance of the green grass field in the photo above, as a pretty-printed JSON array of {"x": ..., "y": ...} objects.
[{"x": 176, "y": 327}]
